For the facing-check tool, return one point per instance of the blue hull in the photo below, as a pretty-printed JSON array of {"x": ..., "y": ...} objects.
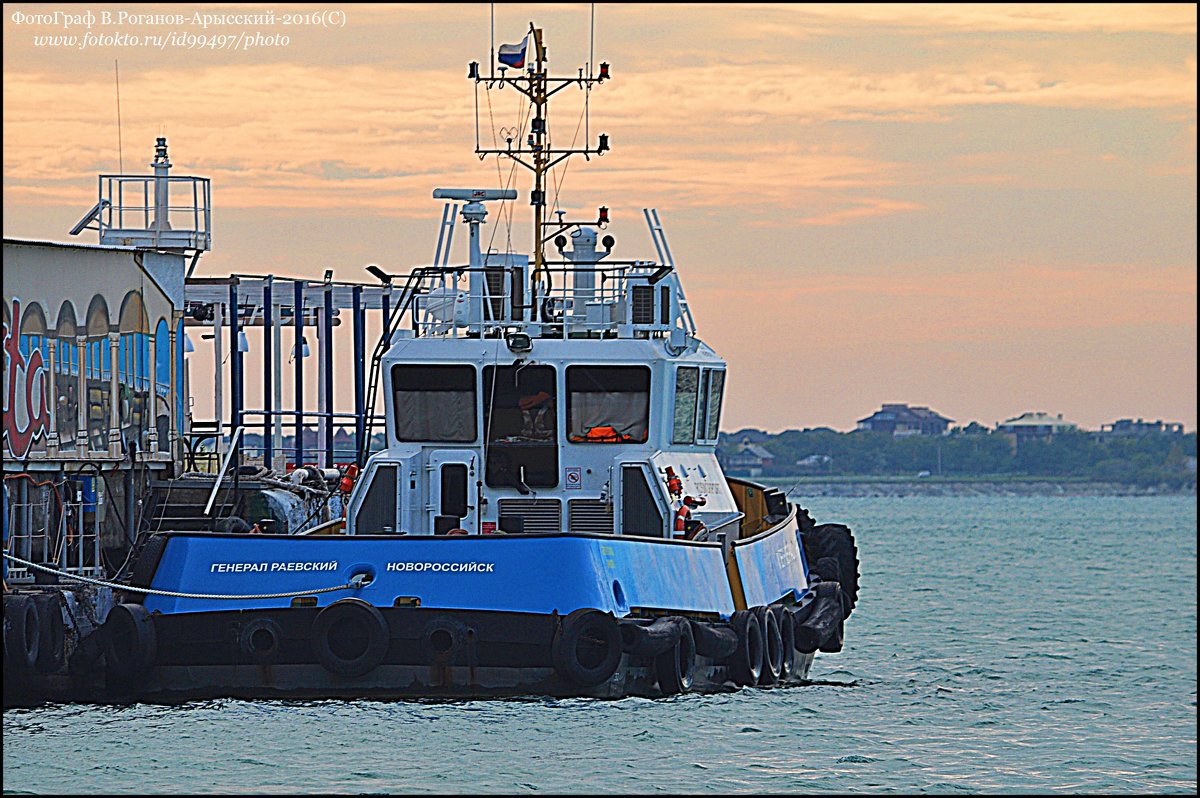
[
  {"x": 513, "y": 573},
  {"x": 466, "y": 616}
]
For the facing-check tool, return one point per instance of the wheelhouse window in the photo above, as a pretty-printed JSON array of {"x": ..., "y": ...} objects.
[
  {"x": 608, "y": 404},
  {"x": 716, "y": 389},
  {"x": 434, "y": 403},
  {"x": 520, "y": 417},
  {"x": 687, "y": 388}
]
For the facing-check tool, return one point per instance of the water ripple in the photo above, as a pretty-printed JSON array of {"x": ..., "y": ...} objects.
[{"x": 985, "y": 655}]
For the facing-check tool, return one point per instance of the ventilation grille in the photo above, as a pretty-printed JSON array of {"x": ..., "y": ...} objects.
[
  {"x": 541, "y": 515},
  {"x": 590, "y": 515},
  {"x": 642, "y": 310}
]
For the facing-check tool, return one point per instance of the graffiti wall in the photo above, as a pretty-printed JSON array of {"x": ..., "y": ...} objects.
[{"x": 88, "y": 349}]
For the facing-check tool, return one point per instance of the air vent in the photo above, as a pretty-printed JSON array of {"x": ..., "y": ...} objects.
[
  {"x": 590, "y": 515},
  {"x": 643, "y": 304},
  {"x": 541, "y": 515}
]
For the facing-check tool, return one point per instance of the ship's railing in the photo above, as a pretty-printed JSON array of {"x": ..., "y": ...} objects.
[
  {"x": 610, "y": 299},
  {"x": 54, "y": 523},
  {"x": 201, "y": 454},
  {"x": 130, "y": 213}
]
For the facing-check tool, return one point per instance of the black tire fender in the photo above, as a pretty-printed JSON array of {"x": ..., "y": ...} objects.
[
  {"x": 787, "y": 631},
  {"x": 652, "y": 639},
  {"x": 772, "y": 650},
  {"x": 745, "y": 665},
  {"x": 260, "y": 640},
  {"x": 52, "y": 639},
  {"x": 587, "y": 647},
  {"x": 350, "y": 637},
  {"x": 713, "y": 640},
  {"x": 130, "y": 641},
  {"x": 22, "y": 638},
  {"x": 837, "y": 541},
  {"x": 676, "y": 667}
]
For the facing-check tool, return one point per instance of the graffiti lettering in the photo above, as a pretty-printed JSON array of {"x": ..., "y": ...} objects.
[{"x": 26, "y": 416}]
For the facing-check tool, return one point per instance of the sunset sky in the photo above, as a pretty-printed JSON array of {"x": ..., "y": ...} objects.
[{"x": 985, "y": 209}]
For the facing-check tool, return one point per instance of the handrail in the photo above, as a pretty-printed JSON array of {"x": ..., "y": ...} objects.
[{"x": 221, "y": 474}]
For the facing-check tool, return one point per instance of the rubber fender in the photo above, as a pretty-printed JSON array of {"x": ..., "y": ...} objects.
[
  {"x": 745, "y": 664},
  {"x": 800, "y": 612},
  {"x": 824, "y": 619},
  {"x": 350, "y": 637},
  {"x": 830, "y": 569},
  {"x": 837, "y": 541},
  {"x": 51, "y": 654},
  {"x": 676, "y": 667},
  {"x": 804, "y": 521},
  {"x": 147, "y": 561},
  {"x": 587, "y": 647},
  {"x": 130, "y": 641},
  {"x": 653, "y": 639},
  {"x": 260, "y": 640},
  {"x": 832, "y": 644},
  {"x": 787, "y": 632},
  {"x": 772, "y": 654},
  {"x": 716, "y": 641},
  {"x": 23, "y": 636}
]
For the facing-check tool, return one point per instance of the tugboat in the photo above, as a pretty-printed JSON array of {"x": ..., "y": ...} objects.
[{"x": 548, "y": 516}]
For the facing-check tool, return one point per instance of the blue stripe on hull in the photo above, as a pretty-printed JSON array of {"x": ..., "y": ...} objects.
[{"x": 540, "y": 574}]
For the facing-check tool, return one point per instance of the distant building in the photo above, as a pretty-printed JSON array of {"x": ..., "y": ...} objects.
[
  {"x": 748, "y": 435},
  {"x": 814, "y": 461},
  {"x": 1128, "y": 427},
  {"x": 750, "y": 459},
  {"x": 901, "y": 420},
  {"x": 1035, "y": 425}
]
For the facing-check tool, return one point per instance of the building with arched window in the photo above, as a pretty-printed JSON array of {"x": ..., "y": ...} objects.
[
  {"x": 93, "y": 406},
  {"x": 95, "y": 384}
]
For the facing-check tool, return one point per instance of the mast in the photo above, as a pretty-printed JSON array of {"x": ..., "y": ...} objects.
[{"x": 535, "y": 153}]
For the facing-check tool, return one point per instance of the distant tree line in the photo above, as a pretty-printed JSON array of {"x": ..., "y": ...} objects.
[{"x": 974, "y": 450}]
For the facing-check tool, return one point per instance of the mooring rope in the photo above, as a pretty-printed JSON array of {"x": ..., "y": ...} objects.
[{"x": 356, "y": 582}]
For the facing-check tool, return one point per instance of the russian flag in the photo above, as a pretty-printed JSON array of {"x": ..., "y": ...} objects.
[{"x": 513, "y": 55}]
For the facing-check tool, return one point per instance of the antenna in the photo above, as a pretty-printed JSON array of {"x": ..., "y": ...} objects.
[
  {"x": 537, "y": 153},
  {"x": 120, "y": 148}
]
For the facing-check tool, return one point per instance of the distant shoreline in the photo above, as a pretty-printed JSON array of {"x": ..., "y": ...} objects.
[{"x": 934, "y": 486}]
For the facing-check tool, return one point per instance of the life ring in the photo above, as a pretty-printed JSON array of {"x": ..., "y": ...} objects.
[
  {"x": 745, "y": 665},
  {"x": 130, "y": 641},
  {"x": 676, "y": 667},
  {"x": 787, "y": 631},
  {"x": 682, "y": 516},
  {"x": 22, "y": 638},
  {"x": 772, "y": 646},
  {"x": 53, "y": 632},
  {"x": 260, "y": 640},
  {"x": 587, "y": 647},
  {"x": 350, "y": 637}
]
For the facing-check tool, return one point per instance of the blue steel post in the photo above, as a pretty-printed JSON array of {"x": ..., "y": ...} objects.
[
  {"x": 327, "y": 345},
  {"x": 235, "y": 372},
  {"x": 298, "y": 316},
  {"x": 387, "y": 313},
  {"x": 268, "y": 374},
  {"x": 360, "y": 423}
]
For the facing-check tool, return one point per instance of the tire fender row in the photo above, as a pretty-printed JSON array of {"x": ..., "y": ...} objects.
[{"x": 34, "y": 633}]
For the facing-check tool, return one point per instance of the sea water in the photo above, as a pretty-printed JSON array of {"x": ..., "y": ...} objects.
[{"x": 999, "y": 644}]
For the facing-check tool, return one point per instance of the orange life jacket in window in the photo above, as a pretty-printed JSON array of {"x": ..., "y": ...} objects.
[{"x": 603, "y": 434}]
